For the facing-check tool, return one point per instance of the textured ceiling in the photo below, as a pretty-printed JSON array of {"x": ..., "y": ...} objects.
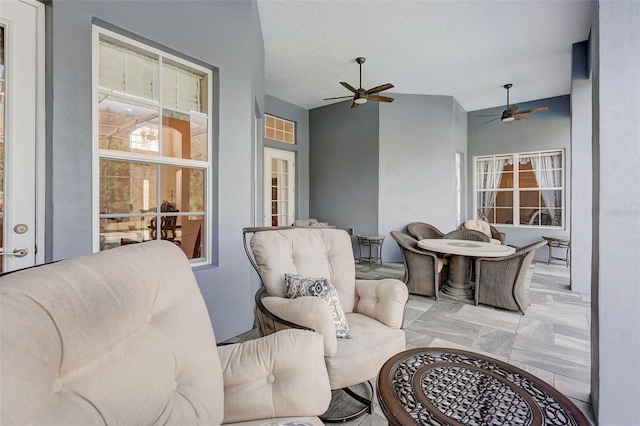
[{"x": 464, "y": 49}]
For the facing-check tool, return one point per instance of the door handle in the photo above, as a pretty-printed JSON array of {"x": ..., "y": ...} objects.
[{"x": 17, "y": 252}]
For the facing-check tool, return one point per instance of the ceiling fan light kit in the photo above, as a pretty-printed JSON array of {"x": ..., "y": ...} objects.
[
  {"x": 361, "y": 96},
  {"x": 512, "y": 113}
]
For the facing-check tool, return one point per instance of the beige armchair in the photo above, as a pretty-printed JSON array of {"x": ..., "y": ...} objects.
[
  {"x": 495, "y": 236},
  {"x": 123, "y": 337},
  {"x": 374, "y": 309}
]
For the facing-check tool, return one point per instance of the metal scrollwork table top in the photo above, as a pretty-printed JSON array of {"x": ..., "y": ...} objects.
[{"x": 441, "y": 386}]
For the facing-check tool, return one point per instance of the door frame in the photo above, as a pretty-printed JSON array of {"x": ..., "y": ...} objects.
[{"x": 39, "y": 201}]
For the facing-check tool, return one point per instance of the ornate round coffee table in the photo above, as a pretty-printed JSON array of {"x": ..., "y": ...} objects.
[{"x": 440, "y": 386}]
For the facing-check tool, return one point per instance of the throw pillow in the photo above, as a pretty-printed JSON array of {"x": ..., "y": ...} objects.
[{"x": 320, "y": 287}]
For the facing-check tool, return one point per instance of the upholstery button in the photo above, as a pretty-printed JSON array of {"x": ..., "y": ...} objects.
[
  {"x": 175, "y": 386},
  {"x": 57, "y": 385},
  {"x": 271, "y": 378}
]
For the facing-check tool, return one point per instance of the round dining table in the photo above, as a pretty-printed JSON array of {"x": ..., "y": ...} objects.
[{"x": 461, "y": 252}]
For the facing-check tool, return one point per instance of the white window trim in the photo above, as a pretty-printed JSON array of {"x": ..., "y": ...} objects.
[
  {"x": 516, "y": 187},
  {"x": 98, "y": 153}
]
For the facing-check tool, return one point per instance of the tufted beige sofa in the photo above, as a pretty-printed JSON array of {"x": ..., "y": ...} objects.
[{"x": 124, "y": 337}]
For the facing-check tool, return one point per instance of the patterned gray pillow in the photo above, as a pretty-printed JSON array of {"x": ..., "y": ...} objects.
[{"x": 320, "y": 287}]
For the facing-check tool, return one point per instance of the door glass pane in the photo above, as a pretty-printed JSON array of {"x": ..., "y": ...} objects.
[{"x": 2, "y": 89}]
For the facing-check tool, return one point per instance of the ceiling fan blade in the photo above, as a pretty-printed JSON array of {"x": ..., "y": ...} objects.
[
  {"x": 497, "y": 118},
  {"x": 379, "y": 88},
  {"x": 518, "y": 117},
  {"x": 539, "y": 109},
  {"x": 354, "y": 105},
  {"x": 348, "y": 87},
  {"x": 380, "y": 98},
  {"x": 338, "y": 97},
  {"x": 512, "y": 109}
]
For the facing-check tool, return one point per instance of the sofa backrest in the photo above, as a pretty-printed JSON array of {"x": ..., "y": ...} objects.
[
  {"x": 310, "y": 252},
  {"x": 117, "y": 337}
]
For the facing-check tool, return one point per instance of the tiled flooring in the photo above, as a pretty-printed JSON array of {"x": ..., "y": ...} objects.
[{"x": 551, "y": 341}]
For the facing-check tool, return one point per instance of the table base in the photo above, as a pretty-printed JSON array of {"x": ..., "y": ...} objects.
[{"x": 458, "y": 289}]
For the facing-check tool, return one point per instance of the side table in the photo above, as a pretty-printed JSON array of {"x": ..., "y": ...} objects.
[
  {"x": 558, "y": 242},
  {"x": 442, "y": 386},
  {"x": 374, "y": 242}
]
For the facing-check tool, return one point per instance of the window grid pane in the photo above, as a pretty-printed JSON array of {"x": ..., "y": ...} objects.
[{"x": 279, "y": 129}]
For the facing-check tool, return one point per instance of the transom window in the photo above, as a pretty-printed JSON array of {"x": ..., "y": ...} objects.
[
  {"x": 279, "y": 129},
  {"x": 152, "y": 174},
  {"x": 523, "y": 189}
]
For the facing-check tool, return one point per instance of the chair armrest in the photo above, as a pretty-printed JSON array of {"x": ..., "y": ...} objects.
[
  {"x": 384, "y": 300},
  {"x": 503, "y": 237},
  {"x": 280, "y": 375},
  {"x": 308, "y": 311}
]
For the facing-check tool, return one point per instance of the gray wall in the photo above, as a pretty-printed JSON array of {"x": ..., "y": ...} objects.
[
  {"x": 419, "y": 135},
  {"x": 615, "y": 340},
  {"x": 581, "y": 180},
  {"x": 300, "y": 116},
  {"x": 541, "y": 131},
  {"x": 343, "y": 169},
  {"x": 224, "y": 34}
]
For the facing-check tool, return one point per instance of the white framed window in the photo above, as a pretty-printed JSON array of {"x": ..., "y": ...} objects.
[
  {"x": 152, "y": 136},
  {"x": 279, "y": 129},
  {"x": 522, "y": 189}
]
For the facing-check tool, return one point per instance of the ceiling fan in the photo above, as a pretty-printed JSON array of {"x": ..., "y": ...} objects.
[
  {"x": 512, "y": 113},
  {"x": 360, "y": 95}
]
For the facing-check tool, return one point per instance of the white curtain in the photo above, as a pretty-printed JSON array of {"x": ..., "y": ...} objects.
[
  {"x": 488, "y": 181},
  {"x": 548, "y": 173}
]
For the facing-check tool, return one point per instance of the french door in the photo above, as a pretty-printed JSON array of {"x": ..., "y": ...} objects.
[
  {"x": 21, "y": 130},
  {"x": 279, "y": 187}
]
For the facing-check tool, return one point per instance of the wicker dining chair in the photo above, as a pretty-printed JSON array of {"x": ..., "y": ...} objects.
[
  {"x": 467, "y": 234},
  {"x": 421, "y": 231},
  {"x": 422, "y": 268},
  {"x": 500, "y": 280}
]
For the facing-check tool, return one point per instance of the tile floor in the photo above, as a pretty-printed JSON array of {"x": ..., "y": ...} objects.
[{"x": 551, "y": 341}]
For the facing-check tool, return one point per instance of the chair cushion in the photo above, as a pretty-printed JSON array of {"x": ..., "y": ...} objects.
[
  {"x": 279, "y": 375},
  {"x": 117, "y": 337},
  {"x": 479, "y": 225},
  {"x": 361, "y": 357},
  {"x": 309, "y": 252},
  {"x": 298, "y": 286}
]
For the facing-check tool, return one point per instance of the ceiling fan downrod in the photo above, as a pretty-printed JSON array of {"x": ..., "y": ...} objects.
[{"x": 508, "y": 86}]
